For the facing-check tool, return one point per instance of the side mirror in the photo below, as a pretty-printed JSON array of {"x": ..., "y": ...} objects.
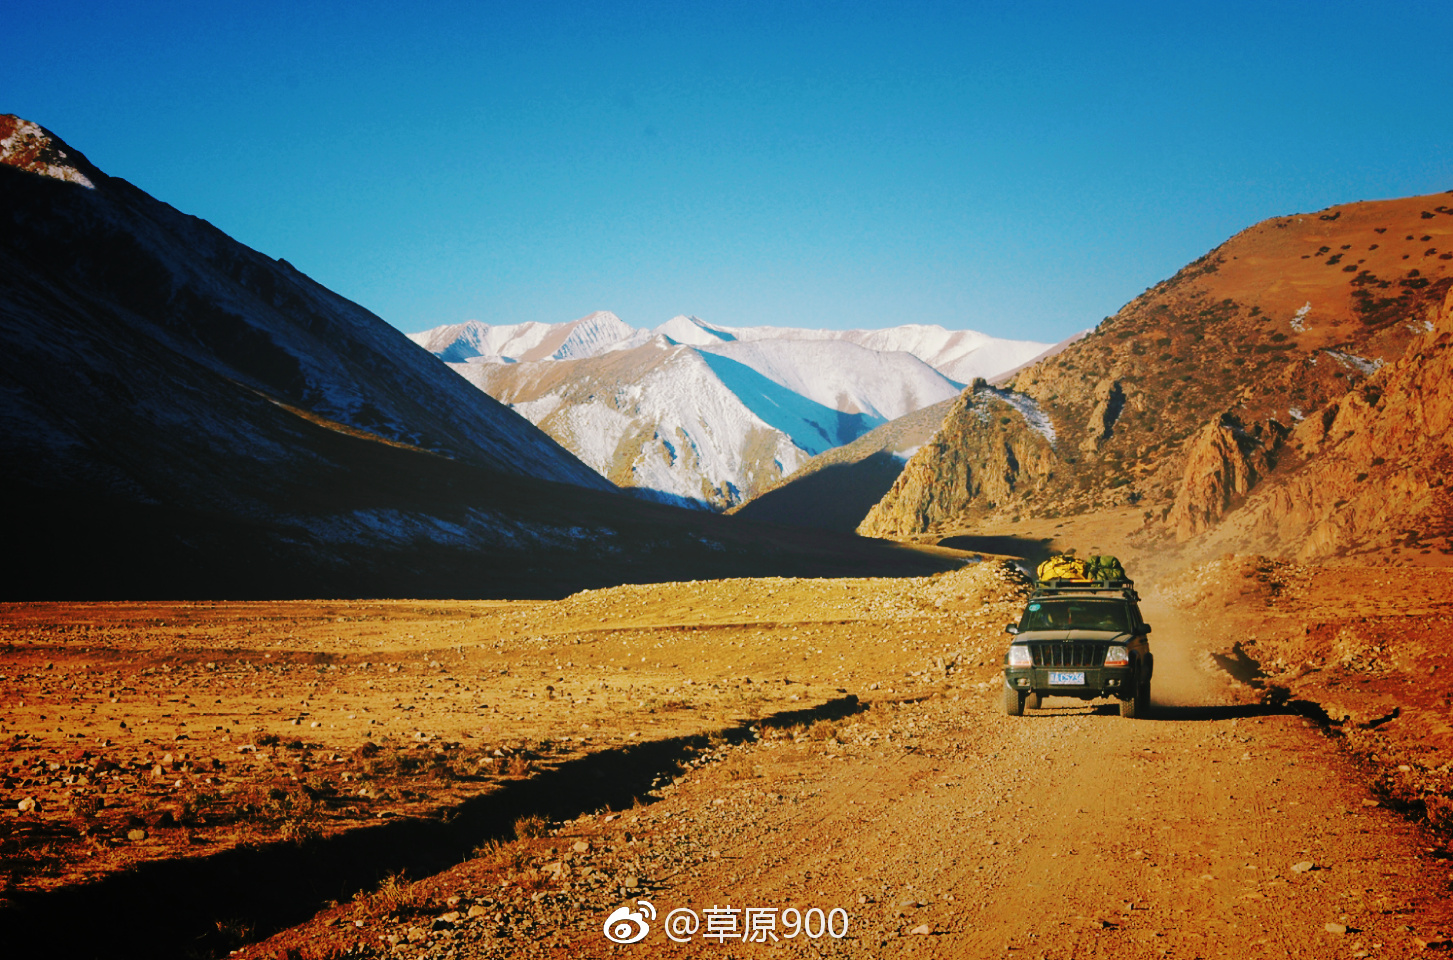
[
  {"x": 1147, "y": 629},
  {"x": 1012, "y": 628}
]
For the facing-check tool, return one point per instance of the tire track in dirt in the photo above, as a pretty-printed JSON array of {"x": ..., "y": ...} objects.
[{"x": 1115, "y": 838}]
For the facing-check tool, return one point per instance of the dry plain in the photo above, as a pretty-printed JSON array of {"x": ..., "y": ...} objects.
[{"x": 814, "y": 757}]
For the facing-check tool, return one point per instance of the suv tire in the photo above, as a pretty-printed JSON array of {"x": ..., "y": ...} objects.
[
  {"x": 1034, "y": 701},
  {"x": 1138, "y": 706},
  {"x": 1013, "y": 702}
]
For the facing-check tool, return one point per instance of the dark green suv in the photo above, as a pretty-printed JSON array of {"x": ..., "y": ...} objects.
[{"x": 1081, "y": 639}]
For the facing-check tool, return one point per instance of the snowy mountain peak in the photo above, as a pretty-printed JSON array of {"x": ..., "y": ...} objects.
[
  {"x": 583, "y": 338},
  {"x": 30, "y": 147},
  {"x": 693, "y": 331}
]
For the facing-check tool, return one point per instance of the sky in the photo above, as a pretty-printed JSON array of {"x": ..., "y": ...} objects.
[{"x": 1022, "y": 170}]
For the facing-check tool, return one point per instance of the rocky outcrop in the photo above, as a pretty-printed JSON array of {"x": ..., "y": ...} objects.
[
  {"x": 993, "y": 450},
  {"x": 1223, "y": 462},
  {"x": 30, "y": 147},
  {"x": 1375, "y": 469},
  {"x": 1109, "y": 401}
]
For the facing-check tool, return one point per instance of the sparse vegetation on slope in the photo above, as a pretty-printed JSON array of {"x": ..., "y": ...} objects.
[{"x": 1260, "y": 334}]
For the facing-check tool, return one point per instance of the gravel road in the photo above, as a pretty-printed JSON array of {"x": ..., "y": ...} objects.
[{"x": 934, "y": 826}]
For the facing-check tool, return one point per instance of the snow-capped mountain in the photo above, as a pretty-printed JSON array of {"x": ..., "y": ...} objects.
[
  {"x": 960, "y": 355},
  {"x": 671, "y": 422},
  {"x": 698, "y": 413},
  {"x": 460, "y": 342}
]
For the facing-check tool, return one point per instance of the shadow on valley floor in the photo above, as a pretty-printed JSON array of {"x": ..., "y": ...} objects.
[
  {"x": 1026, "y": 548},
  {"x": 1235, "y": 711},
  {"x": 176, "y": 908},
  {"x": 1275, "y": 707}
]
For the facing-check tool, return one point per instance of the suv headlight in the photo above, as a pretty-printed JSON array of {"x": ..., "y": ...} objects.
[
  {"x": 1019, "y": 656},
  {"x": 1117, "y": 657}
]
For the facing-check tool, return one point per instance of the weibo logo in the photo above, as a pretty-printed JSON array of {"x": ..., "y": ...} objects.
[{"x": 630, "y": 926}]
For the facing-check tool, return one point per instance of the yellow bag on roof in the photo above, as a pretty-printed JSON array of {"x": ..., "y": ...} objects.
[{"x": 1062, "y": 567}]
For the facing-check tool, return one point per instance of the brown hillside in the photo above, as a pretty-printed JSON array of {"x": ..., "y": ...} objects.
[
  {"x": 1369, "y": 474},
  {"x": 1233, "y": 351}
]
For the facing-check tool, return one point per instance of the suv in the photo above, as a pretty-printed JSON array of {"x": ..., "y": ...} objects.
[{"x": 1080, "y": 639}]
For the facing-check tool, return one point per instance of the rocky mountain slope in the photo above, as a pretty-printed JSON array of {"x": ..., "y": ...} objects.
[
  {"x": 1369, "y": 474},
  {"x": 113, "y": 301},
  {"x": 181, "y": 415},
  {"x": 1183, "y": 402},
  {"x": 698, "y": 414}
]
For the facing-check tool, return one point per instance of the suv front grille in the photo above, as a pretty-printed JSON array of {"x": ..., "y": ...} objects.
[{"x": 1068, "y": 654}]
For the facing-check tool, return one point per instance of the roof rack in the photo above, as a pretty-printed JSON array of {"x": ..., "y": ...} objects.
[{"x": 1056, "y": 587}]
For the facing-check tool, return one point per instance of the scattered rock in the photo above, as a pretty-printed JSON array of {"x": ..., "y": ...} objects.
[
  {"x": 922, "y": 930},
  {"x": 1339, "y": 929},
  {"x": 136, "y": 834},
  {"x": 1303, "y": 867}
]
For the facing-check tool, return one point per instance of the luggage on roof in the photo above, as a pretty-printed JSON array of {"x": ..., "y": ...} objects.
[
  {"x": 1061, "y": 567},
  {"x": 1104, "y": 568}
]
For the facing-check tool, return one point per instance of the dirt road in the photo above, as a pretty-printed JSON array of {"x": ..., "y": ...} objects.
[{"x": 937, "y": 827}]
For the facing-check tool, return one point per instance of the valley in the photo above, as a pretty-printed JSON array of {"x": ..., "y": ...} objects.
[{"x": 709, "y": 619}]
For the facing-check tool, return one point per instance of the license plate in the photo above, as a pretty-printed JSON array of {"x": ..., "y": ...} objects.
[{"x": 1076, "y": 678}]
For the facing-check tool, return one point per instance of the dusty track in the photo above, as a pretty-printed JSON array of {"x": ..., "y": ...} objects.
[{"x": 1069, "y": 832}]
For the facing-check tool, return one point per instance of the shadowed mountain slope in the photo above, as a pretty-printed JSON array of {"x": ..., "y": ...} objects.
[
  {"x": 183, "y": 416},
  {"x": 836, "y": 489}
]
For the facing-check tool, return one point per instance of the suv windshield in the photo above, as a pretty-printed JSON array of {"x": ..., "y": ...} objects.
[{"x": 1075, "y": 614}]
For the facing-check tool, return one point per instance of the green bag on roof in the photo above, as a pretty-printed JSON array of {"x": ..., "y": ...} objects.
[{"x": 1104, "y": 568}]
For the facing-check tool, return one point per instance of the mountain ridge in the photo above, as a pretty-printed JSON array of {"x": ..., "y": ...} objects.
[
  {"x": 798, "y": 392},
  {"x": 1204, "y": 375}
]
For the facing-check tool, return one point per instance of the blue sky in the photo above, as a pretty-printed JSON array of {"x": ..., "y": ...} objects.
[{"x": 1022, "y": 170}]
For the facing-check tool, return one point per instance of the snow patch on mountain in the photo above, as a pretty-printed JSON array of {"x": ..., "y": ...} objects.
[
  {"x": 1351, "y": 361},
  {"x": 1028, "y": 408},
  {"x": 812, "y": 426},
  {"x": 692, "y": 331},
  {"x": 663, "y": 420},
  {"x": 595, "y": 429},
  {"x": 959, "y": 355},
  {"x": 845, "y": 376},
  {"x": 473, "y": 340}
]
